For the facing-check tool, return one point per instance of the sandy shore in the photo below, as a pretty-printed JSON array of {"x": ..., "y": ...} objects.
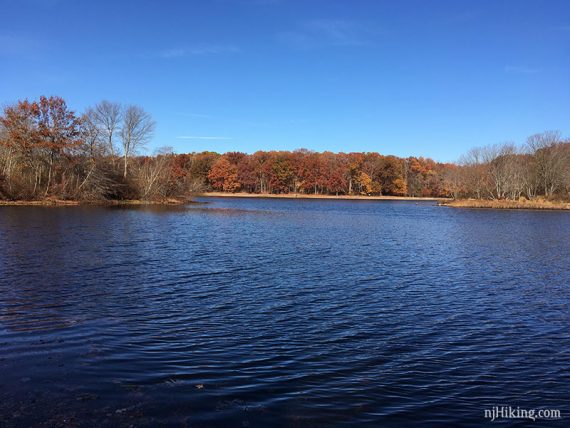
[
  {"x": 509, "y": 205},
  {"x": 308, "y": 196}
]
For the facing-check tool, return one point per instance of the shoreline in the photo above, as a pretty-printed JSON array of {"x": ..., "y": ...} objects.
[
  {"x": 75, "y": 203},
  {"x": 506, "y": 205},
  {"x": 310, "y": 196},
  {"x": 443, "y": 202}
]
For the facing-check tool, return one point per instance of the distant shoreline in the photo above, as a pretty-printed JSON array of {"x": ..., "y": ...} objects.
[
  {"x": 506, "y": 205},
  {"x": 312, "y": 196}
]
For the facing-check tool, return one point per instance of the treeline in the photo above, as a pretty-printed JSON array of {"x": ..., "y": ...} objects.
[
  {"x": 303, "y": 171},
  {"x": 539, "y": 168},
  {"x": 48, "y": 151}
]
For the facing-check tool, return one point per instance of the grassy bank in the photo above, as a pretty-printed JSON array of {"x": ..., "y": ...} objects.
[
  {"x": 64, "y": 202},
  {"x": 309, "y": 196},
  {"x": 508, "y": 205}
]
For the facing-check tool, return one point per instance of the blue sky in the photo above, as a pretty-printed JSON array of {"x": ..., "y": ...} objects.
[{"x": 425, "y": 78}]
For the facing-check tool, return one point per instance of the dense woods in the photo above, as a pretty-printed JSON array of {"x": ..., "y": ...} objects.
[
  {"x": 48, "y": 151},
  {"x": 304, "y": 171}
]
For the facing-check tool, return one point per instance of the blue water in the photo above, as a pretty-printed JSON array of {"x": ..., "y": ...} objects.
[{"x": 252, "y": 312}]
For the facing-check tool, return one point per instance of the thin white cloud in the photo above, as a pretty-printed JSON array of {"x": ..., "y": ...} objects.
[
  {"x": 465, "y": 16},
  {"x": 263, "y": 2},
  {"x": 234, "y": 120},
  {"x": 46, "y": 3},
  {"x": 202, "y": 49},
  {"x": 326, "y": 32},
  {"x": 337, "y": 32},
  {"x": 201, "y": 137},
  {"x": 517, "y": 69},
  {"x": 279, "y": 123},
  {"x": 196, "y": 115},
  {"x": 16, "y": 45}
]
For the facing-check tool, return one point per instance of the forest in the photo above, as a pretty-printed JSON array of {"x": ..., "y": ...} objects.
[{"x": 49, "y": 151}]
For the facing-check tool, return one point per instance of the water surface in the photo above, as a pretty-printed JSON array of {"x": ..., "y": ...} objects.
[{"x": 251, "y": 312}]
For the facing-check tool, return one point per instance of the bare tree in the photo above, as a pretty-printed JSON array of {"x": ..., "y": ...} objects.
[
  {"x": 106, "y": 116},
  {"x": 566, "y": 169},
  {"x": 549, "y": 158},
  {"x": 514, "y": 170},
  {"x": 474, "y": 171},
  {"x": 7, "y": 157},
  {"x": 530, "y": 176},
  {"x": 96, "y": 166},
  {"x": 506, "y": 171},
  {"x": 136, "y": 131},
  {"x": 100, "y": 129},
  {"x": 453, "y": 180},
  {"x": 92, "y": 135},
  {"x": 494, "y": 157}
]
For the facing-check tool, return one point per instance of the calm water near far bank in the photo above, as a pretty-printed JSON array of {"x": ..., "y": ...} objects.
[{"x": 264, "y": 312}]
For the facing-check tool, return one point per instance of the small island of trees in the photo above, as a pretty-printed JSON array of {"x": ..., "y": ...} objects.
[{"x": 49, "y": 152}]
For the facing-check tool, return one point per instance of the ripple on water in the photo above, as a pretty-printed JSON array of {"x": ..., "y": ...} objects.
[{"x": 280, "y": 312}]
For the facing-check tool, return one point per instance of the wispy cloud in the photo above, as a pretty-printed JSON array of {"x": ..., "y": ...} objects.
[
  {"x": 201, "y": 49},
  {"x": 45, "y": 3},
  {"x": 195, "y": 115},
  {"x": 201, "y": 137},
  {"x": 12, "y": 45},
  {"x": 564, "y": 28},
  {"x": 271, "y": 123},
  {"x": 239, "y": 121},
  {"x": 326, "y": 32},
  {"x": 465, "y": 16},
  {"x": 518, "y": 69},
  {"x": 263, "y": 2}
]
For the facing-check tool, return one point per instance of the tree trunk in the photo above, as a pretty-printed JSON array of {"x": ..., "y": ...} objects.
[{"x": 49, "y": 180}]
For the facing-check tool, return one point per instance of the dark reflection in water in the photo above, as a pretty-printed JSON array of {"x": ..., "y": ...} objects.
[{"x": 281, "y": 313}]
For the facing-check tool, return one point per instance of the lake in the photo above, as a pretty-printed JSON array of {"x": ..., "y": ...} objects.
[{"x": 264, "y": 312}]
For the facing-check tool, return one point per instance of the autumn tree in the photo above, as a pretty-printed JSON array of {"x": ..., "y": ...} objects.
[
  {"x": 281, "y": 174},
  {"x": 312, "y": 168},
  {"x": 355, "y": 161},
  {"x": 38, "y": 138},
  {"x": 260, "y": 165},
  {"x": 392, "y": 176},
  {"x": 200, "y": 165},
  {"x": 246, "y": 173},
  {"x": 19, "y": 154},
  {"x": 223, "y": 175},
  {"x": 335, "y": 172}
]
